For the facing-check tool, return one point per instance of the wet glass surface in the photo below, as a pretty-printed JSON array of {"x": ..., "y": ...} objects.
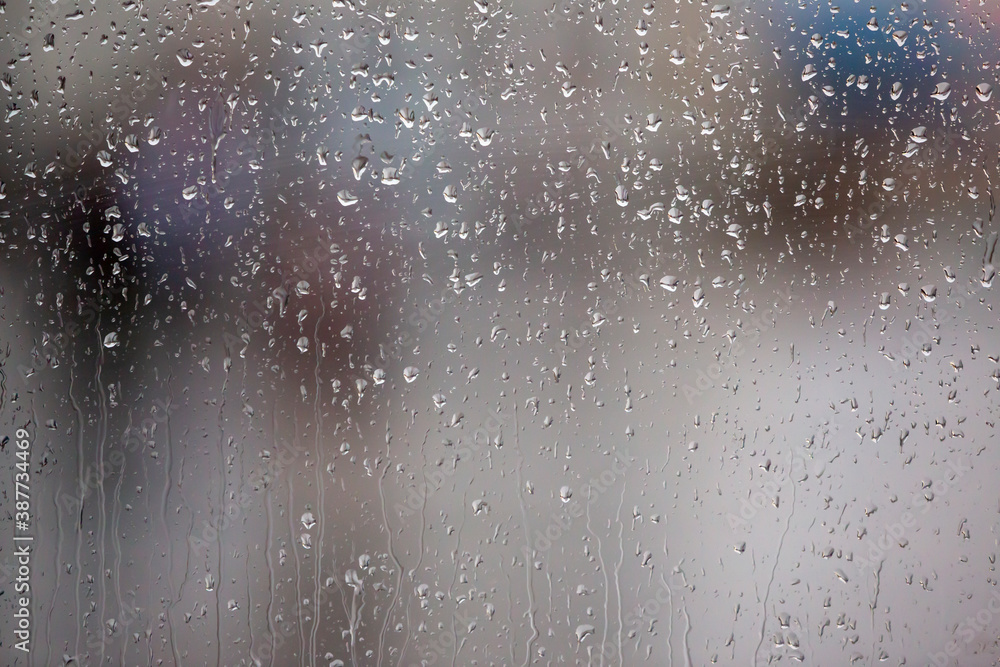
[{"x": 603, "y": 333}]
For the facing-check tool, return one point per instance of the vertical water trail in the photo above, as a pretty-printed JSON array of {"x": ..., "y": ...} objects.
[
  {"x": 102, "y": 429},
  {"x": 298, "y": 561},
  {"x": 618, "y": 569},
  {"x": 246, "y": 563},
  {"x": 395, "y": 559},
  {"x": 420, "y": 546},
  {"x": 116, "y": 513},
  {"x": 148, "y": 501},
  {"x": 454, "y": 578},
  {"x": 267, "y": 547},
  {"x": 187, "y": 568},
  {"x": 79, "y": 526},
  {"x": 244, "y": 430},
  {"x": 527, "y": 539},
  {"x": 687, "y": 632},
  {"x": 510, "y": 610},
  {"x": 604, "y": 571},
  {"x": 57, "y": 568},
  {"x": 321, "y": 508},
  {"x": 774, "y": 567},
  {"x": 548, "y": 579},
  {"x": 179, "y": 595},
  {"x": 271, "y": 630},
  {"x": 168, "y": 464},
  {"x": 221, "y": 519},
  {"x": 874, "y": 605},
  {"x": 423, "y": 503},
  {"x": 670, "y": 621},
  {"x": 355, "y": 610}
]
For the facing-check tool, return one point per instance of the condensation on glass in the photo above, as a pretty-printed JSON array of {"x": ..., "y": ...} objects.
[{"x": 496, "y": 333}]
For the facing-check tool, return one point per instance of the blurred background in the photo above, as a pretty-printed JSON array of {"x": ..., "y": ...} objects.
[{"x": 599, "y": 333}]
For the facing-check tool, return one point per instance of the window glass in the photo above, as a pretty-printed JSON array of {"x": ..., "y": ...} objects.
[{"x": 499, "y": 333}]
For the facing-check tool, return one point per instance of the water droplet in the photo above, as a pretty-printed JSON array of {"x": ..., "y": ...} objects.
[
  {"x": 485, "y": 136},
  {"x": 358, "y": 167},
  {"x": 621, "y": 195},
  {"x": 989, "y": 272},
  {"x": 669, "y": 283},
  {"x": 346, "y": 198},
  {"x": 941, "y": 91}
]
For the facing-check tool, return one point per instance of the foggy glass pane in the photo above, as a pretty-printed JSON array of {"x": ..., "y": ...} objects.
[{"x": 491, "y": 333}]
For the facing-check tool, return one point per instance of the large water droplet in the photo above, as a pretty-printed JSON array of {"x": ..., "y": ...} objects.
[{"x": 941, "y": 91}]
